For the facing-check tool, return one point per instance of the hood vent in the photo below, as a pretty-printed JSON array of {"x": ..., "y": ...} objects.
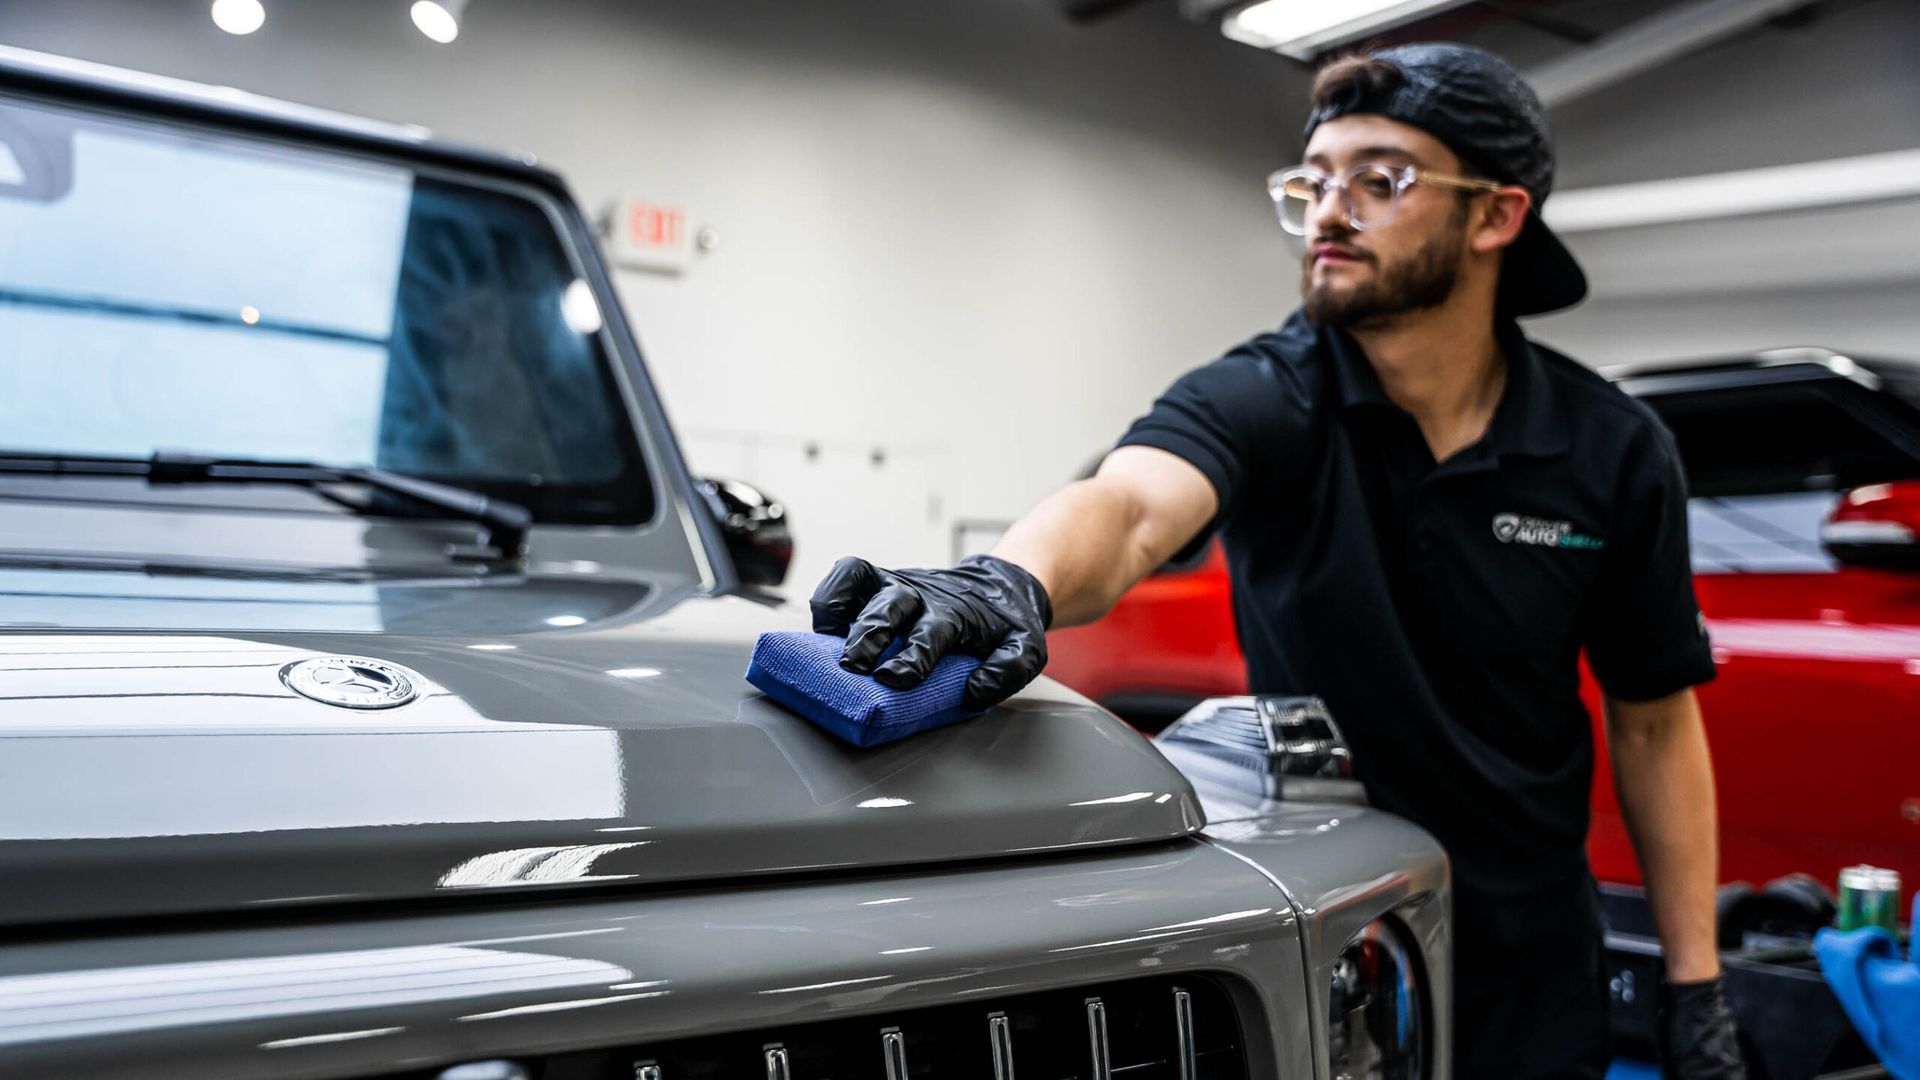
[{"x": 1277, "y": 747}]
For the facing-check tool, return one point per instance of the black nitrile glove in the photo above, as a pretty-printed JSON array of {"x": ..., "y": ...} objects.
[
  {"x": 1697, "y": 1036},
  {"x": 985, "y": 606}
]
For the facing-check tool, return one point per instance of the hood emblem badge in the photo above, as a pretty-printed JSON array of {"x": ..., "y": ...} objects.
[{"x": 351, "y": 682}]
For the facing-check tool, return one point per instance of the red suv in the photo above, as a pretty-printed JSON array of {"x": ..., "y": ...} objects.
[{"x": 1804, "y": 467}]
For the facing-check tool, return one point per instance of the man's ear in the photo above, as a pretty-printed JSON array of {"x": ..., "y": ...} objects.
[{"x": 1502, "y": 215}]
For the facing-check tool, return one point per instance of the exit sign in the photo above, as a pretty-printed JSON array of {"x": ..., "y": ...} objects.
[{"x": 644, "y": 235}]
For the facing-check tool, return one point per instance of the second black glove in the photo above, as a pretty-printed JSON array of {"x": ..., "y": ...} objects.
[{"x": 1700, "y": 1042}]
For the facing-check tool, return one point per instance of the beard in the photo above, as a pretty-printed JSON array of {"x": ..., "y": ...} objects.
[{"x": 1423, "y": 280}]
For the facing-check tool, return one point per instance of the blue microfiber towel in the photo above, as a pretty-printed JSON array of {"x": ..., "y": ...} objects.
[
  {"x": 1879, "y": 990},
  {"x": 803, "y": 672}
]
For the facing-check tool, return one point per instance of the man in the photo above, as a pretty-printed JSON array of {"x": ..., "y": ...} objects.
[{"x": 1427, "y": 519}]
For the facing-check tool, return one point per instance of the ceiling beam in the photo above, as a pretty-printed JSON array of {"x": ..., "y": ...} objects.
[{"x": 1649, "y": 43}]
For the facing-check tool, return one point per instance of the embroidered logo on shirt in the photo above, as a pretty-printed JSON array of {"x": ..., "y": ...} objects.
[{"x": 1542, "y": 532}]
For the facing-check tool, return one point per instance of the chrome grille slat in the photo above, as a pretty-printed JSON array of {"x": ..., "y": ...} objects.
[
  {"x": 894, "y": 1046},
  {"x": 1000, "y": 1040},
  {"x": 1183, "y": 1028},
  {"x": 1097, "y": 1040}
]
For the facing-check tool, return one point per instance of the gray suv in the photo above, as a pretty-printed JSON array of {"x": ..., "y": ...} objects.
[{"x": 371, "y": 696}]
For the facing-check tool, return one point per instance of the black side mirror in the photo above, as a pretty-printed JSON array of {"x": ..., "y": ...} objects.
[{"x": 755, "y": 528}]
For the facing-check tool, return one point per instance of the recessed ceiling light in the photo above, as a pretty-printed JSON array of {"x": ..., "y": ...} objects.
[
  {"x": 438, "y": 19},
  {"x": 239, "y": 16}
]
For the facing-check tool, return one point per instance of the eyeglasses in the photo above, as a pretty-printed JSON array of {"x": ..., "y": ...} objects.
[{"x": 1371, "y": 193}]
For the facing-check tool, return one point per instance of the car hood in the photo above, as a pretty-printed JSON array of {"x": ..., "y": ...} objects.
[{"x": 165, "y": 772}]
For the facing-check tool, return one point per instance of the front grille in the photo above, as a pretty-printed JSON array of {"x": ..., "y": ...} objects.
[{"x": 1181, "y": 1028}]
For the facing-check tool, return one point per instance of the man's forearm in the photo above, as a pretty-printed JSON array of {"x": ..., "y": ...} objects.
[
  {"x": 1664, "y": 779},
  {"x": 1078, "y": 542},
  {"x": 1090, "y": 541}
]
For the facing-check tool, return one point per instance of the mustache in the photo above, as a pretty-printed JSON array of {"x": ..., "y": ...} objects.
[{"x": 1340, "y": 243}]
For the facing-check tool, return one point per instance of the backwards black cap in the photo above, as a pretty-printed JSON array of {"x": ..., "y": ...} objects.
[{"x": 1474, "y": 102}]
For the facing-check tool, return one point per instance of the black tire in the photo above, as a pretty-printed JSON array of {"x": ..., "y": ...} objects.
[
  {"x": 1730, "y": 905},
  {"x": 1813, "y": 904}
]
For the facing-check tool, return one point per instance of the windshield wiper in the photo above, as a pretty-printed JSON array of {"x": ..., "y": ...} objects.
[{"x": 506, "y": 522}]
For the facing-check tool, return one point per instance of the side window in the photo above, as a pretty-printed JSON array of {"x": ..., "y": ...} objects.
[
  {"x": 1768, "y": 453},
  {"x": 1760, "y": 533}
]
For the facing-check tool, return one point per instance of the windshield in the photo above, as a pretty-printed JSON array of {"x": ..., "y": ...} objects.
[{"x": 165, "y": 288}]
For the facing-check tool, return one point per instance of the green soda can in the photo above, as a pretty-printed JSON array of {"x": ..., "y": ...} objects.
[{"x": 1869, "y": 896}]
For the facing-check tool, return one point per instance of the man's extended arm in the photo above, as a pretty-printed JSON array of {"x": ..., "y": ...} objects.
[
  {"x": 1067, "y": 561},
  {"x": 1091, "y": 541}
]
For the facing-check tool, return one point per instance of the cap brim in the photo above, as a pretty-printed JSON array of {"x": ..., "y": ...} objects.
[{"x": 1540, "y": 274}]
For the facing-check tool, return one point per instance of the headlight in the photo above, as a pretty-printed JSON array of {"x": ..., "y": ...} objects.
[{"x": 1378, "y": 1030}]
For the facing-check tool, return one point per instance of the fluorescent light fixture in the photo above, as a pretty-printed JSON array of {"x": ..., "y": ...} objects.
[
  {"x": 239, "y": 16},
  {"x": 1303, "y": 29},
  {"x": 1772, "y": 189},
  {"x": 439, "y": 19}
]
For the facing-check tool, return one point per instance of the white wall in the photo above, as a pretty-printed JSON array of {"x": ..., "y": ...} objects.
[{"x": 963, "y": 231}]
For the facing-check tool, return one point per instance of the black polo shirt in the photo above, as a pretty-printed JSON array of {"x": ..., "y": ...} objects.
[{"x": 1441, "y": 609}]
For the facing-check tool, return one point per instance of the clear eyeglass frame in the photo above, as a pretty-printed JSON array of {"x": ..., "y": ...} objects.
[{"x": 1370, "y": 193}]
